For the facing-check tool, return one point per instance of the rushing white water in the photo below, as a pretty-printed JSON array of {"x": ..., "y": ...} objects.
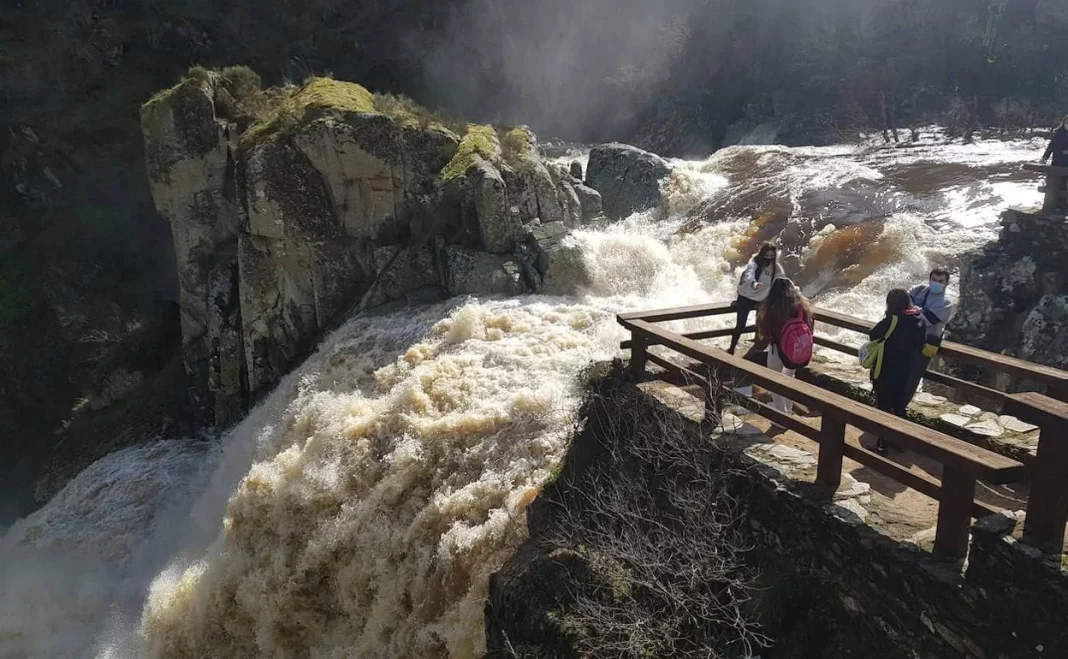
[{"x": 361, "y": 508}]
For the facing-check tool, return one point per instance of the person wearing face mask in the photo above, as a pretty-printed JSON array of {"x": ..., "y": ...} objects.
[
  {"x": 754, "y": 286},
  {"x": 935, "y": 311},
  {"x": 1058, "y": 146}
]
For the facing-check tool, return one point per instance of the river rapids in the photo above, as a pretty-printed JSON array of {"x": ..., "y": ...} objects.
[{"x": 359, "y": 510}]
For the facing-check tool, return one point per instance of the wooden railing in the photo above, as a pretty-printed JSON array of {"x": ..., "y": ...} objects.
[
  {"x": 717, "y": 372},
  {"x": 1056, "y": 195}
]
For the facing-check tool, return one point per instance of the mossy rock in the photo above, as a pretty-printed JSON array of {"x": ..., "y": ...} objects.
[
  {"x": 480, "y": 142},
  {"x": 321, "y": 96}
]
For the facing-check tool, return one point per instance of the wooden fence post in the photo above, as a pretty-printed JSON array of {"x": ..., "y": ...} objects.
[
  {"x": 954, "y": 513},
  {"x": 832, "y": 447},
  {"x": 1047, "y": 502},
  {"x": 1053, "y": 192},
  {"x": 638, "y": 354}
]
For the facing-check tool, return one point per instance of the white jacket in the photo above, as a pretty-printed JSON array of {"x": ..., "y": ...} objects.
[{"x": 745, "y": 285}]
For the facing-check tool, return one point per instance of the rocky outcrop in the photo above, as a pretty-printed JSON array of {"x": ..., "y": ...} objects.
[
  {"x": 628, "y": 179},
  {"x": 291, "y": 207},
  {"x": 1014, "y": 291}
]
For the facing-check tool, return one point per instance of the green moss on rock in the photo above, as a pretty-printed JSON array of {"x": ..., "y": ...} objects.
[
  {"x": 517, "y": 142},
  {"x": 324, "y": 94},
  {"x": 479, "y": 142}
]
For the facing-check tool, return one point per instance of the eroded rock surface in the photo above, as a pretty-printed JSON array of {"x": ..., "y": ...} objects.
[{"x": 292, "y": 207}]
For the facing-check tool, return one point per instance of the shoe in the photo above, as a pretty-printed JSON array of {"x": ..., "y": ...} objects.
[{"x": 881, "y": 447}]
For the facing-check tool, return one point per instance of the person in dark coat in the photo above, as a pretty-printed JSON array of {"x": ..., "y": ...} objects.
[
  {"x": 907, "y": 340},
  {"x": 1058, "y": 146}
]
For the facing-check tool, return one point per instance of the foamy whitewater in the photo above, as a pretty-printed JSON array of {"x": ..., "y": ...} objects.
[{"x": 360, "y": 509}]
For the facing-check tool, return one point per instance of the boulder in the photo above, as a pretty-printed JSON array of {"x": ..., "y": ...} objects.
[
  {"x": 468, "y": 272},
  {"x": 500, "y": 223},
  {"x": 590, "y": 201},
  {"x": 558, "y": 261},
  {"x": 627, "y": 178},
  {"x": 576, "y": 170}
]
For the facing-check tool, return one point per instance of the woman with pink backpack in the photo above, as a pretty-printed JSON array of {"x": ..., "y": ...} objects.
[{"x": 785, "y": 320}]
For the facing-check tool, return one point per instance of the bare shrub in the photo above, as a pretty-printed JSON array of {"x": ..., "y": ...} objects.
[{"x": 653, "y": 518}]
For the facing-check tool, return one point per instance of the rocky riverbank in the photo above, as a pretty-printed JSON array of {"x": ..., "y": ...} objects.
[{"x": 1014, "y": 291}]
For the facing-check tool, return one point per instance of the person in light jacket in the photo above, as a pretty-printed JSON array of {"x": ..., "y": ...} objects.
[
  {"x": 754, "y": 286},
  {"x": 935, "y": 312}
]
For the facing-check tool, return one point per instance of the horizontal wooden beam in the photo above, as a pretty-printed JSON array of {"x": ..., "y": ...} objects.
[
  {"x": 781, "y": 419},
  {"x": 922, "y": 483},
  {"x": 679, "y": 313},
  {"x": 1040, "y": 410},
  {"x": 700, "y": 336}
]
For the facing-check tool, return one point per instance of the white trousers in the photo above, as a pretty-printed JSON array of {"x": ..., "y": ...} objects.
[{"x": 780, "y": 403}]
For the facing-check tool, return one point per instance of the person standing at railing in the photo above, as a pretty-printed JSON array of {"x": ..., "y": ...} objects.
[
  {"x": 754, "y": 286},
  {"x": 785, "y": 318},
  {"x": 1058, "y": 146},
  {"x": 902, "y": 335},
  {"x": 935, "y": 312}
]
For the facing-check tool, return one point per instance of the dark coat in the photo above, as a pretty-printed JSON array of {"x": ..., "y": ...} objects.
[
  {"x": 1057, "y": 148},
  {"x": 901, "y": 348}
]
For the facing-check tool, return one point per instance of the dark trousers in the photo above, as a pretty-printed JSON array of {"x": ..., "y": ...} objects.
[
  {"x": 744, "y": 306},
  {"x": 916, "y": 373},
  {"x": 892, "y": 396}
]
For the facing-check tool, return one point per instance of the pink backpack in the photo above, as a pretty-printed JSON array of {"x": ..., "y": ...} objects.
[{"x": 795, "y": 342}]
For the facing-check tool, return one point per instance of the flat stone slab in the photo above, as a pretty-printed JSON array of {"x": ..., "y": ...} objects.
[
  {"x": 956, "y": 419},
  {"x": 732, "y": 424},
  {"x": 970, "y": 410},
  {"x": 986, "y": 429},
  {"x": 792, "y": 456},
  {"x": 849, "y": 511},
  {"x": 1012, "y": 424},
  {"x": 924, "y": 398}
]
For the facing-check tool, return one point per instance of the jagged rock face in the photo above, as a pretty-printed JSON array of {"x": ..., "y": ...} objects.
[
  {"x": 284, "y": 228},
  {"x": 1014, "y": 292},
  {"x": 472, "y": 273},
  {"x": 627, "y": 178},
  {"x": 189, "y": 146}
]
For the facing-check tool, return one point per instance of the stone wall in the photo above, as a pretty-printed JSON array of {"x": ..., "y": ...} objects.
[{"x": 1007, "y": 602}]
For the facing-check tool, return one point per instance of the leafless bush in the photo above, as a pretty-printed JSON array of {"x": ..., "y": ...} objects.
[{"x": 657, "y": 527}]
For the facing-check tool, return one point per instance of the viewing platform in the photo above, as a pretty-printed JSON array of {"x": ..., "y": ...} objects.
[{"x": 968, "y": 473}]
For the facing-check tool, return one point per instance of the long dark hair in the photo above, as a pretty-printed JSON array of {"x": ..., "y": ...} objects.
[
  {"x": 898, "y": 301},
  {"x": 784, "y": 302},
  {"x": 758, "y": 258}
]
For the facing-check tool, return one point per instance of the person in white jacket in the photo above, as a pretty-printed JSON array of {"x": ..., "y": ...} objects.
[{"x": 754, "y": 286}]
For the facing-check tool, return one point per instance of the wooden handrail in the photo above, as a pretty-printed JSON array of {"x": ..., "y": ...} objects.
[
  {"x": 1054, "y": 378},
  {"x": 1046, "y": 169},
  {"x": 962, "y": 462},
  {"x": 936, "y": 445}
]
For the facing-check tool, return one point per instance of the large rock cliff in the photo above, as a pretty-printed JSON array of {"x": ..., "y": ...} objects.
[
  {"x": 1014, "y": 291},
  {"x": 290, "y": 207}
]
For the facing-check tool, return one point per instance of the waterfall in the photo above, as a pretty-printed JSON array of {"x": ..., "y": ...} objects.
[{"x": 360, "y": 509}]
